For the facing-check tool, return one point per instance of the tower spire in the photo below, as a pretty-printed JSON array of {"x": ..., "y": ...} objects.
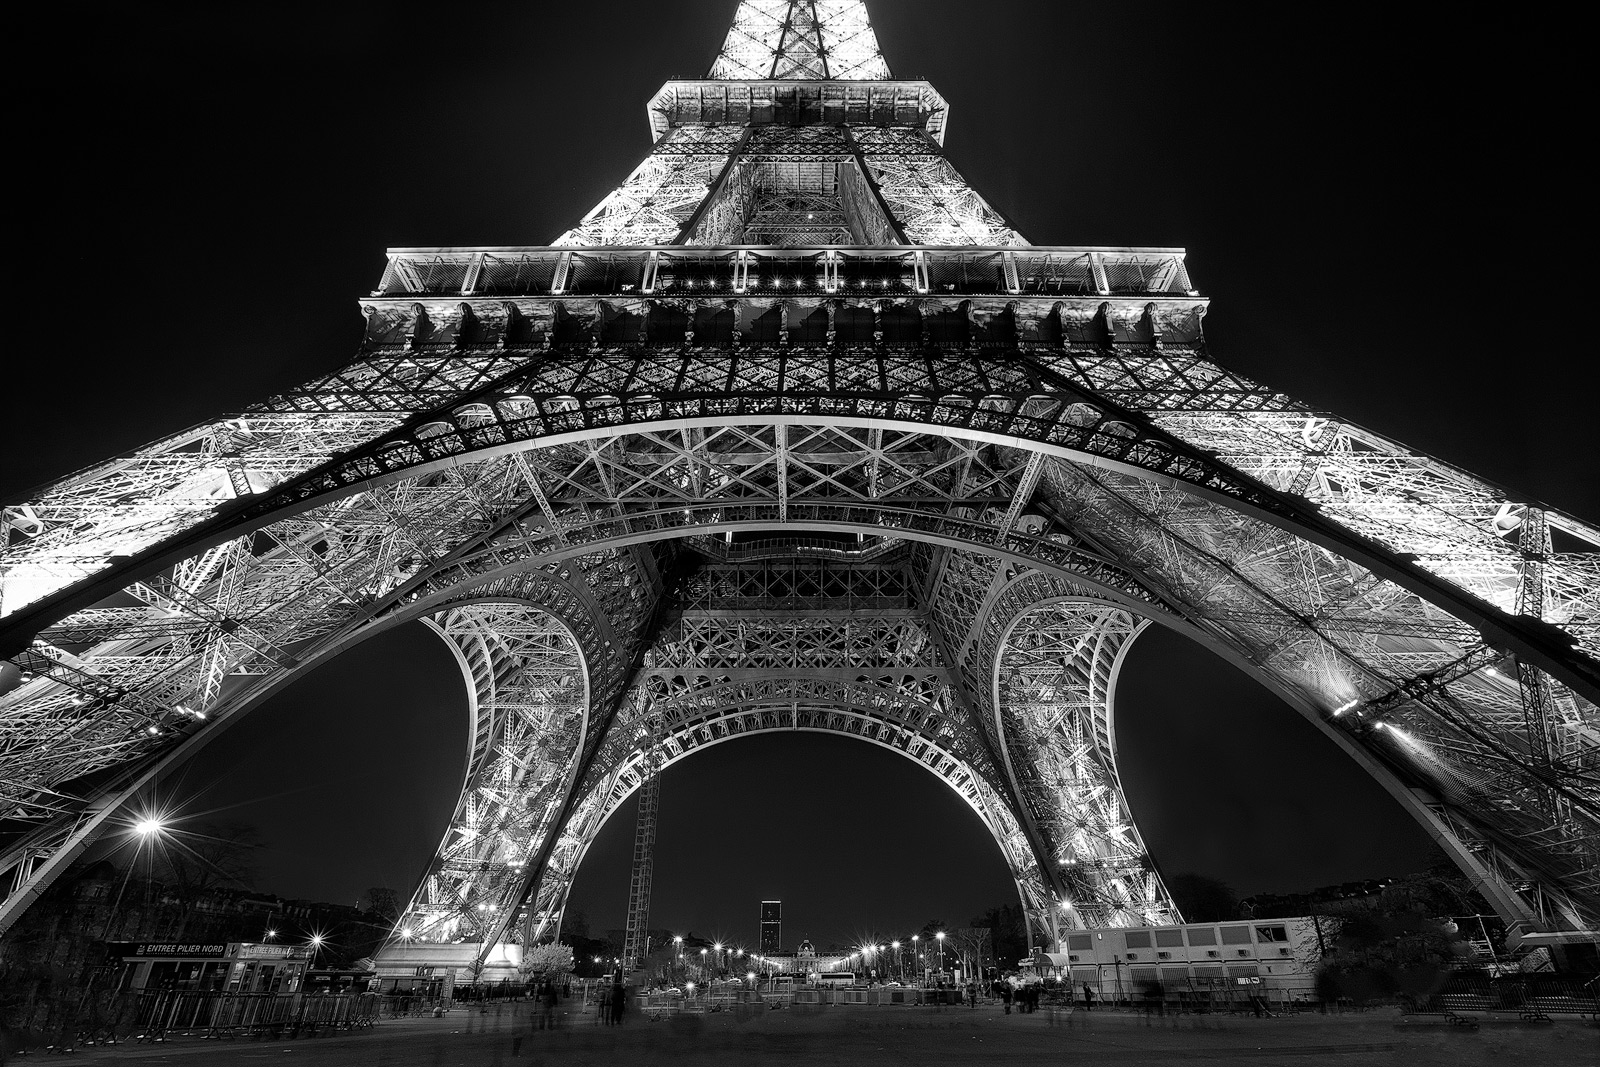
[{"x": 801, "y": 39}]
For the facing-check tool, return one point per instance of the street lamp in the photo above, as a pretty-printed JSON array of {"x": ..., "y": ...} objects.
[
  {"x": 315, "y": 944},
  {"x": 940, "y": 936}
]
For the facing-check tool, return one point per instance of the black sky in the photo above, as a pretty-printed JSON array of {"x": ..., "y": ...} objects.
[{"x": 1379, "y": 211}]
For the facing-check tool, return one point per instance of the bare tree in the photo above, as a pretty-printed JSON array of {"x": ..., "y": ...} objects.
[{"x": 203, "y": 859}]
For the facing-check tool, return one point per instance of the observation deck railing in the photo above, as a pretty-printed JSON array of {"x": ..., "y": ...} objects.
[{"x": 689, "y": 272}]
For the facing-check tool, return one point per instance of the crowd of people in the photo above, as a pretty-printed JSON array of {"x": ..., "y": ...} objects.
[
  {"x": 1021, "y": 991},
  {"x": 611, "y": 1001},
  {"x": 1013, "y": 990}
]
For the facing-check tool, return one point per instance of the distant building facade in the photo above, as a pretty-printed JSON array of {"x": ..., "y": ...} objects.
[
  {"x": 805, "y": 962},
  {"x": 771, "y": 927}
]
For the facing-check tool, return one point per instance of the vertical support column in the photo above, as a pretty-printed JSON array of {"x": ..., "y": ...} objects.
[
  {"x": 1101, "y": 284},
  {"x": 1013, "y": 277},
  {"x": 1538, "y": 705},
  {"x": 781, "y": 440}
]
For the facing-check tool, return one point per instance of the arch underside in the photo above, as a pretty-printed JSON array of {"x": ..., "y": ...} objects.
[
  {"x": 1148, "y": 482},
  {"x": 861, "y": 662}
]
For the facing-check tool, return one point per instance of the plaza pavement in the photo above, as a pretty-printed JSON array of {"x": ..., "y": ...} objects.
[{"x": 888, "y": 1035}]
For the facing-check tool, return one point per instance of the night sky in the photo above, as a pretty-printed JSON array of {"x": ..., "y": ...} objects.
[{"x": 1382, "y": 230}]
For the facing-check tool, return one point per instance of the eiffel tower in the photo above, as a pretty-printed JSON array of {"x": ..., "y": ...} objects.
[{"x": 794, "y": 431}]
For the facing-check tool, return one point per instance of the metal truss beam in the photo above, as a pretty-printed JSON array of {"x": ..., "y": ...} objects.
[{"x": 1023, "y": 428}]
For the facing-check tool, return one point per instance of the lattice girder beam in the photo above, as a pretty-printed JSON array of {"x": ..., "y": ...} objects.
[
  {"x": 600, "y": 598},
  {"x": 501, "y": 557},
  {"x": 1454, "y": 739},
  {"x": 800, "y": 701},
  {"x": 525, "y": 677},
  {"x": 746, "y": 461},
  {"x": 453, "y": 571},
  {"x": 1051, "y": 705},
  {"x": 791, "y": 39},
  {"x": 1077, "y": 423}
]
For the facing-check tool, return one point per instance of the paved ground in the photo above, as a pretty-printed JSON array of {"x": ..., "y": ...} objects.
[{"x": 845, "y": 1035}]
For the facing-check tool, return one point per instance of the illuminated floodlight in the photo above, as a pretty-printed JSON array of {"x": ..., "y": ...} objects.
[
  {"x": 148, "y": 826},
  {"x": 894, "y": 944},
  {"x": 718, "y": 946},
  {"x": 1345, "y": 707},
  {"x": 407, "y": 933},
  {"x": 750, "y": 976},
  {"x": 317, "y": 940},
  {"x": 940, "y": 935}
]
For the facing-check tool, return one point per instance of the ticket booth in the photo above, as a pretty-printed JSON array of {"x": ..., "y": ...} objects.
[{"x": 219, "y": 967}]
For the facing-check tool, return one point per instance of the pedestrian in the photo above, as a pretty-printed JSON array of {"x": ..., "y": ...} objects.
[
  {"x": 619, "y": 1001},
  {"x": 602, "y": 1009},
  {"x": 1005, "y": 996},
  {"x": 547, "y": 1004},
  {"x": 1088, "y": 997}
]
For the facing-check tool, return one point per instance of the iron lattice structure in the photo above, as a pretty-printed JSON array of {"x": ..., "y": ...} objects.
[{"x": 794, "y": 431}]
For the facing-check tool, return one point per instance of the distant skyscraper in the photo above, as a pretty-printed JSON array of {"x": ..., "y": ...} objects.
[{"x": 771, "y": 927}]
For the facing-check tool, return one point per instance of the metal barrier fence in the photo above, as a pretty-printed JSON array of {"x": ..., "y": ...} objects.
[
  {"x": 403, "y": 1005},
  {"x": 1530, "y": 996},
  {"x": 158, "y": 1014}
]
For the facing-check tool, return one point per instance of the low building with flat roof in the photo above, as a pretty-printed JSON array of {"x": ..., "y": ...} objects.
[{"x": 1277, "y": 956}]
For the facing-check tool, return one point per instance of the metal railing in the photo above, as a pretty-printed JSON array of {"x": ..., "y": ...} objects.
[
  {"x": 1529, "y": 996},
  {"x": 686, "y": 272},
  {"x": 159, "y": 1014}
]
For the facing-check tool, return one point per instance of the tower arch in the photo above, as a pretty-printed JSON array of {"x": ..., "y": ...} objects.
[{"x": 1013, "y": 420}]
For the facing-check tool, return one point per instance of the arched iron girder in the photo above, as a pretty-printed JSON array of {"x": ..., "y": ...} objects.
[
  {"x": 567, "y": 541},
  {"x": 508, "y": 576},
  {"x": 30, "y": 864},
  {"x": 527, "y": 685},
  {"x": 1008, "y": 398},
  {"x": 1050, "y": 697},
  {"x": 797, "y": 703}
]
